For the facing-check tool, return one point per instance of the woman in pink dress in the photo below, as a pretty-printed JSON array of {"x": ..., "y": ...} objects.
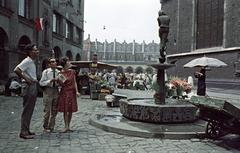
[{"x": 67, "y": 100}]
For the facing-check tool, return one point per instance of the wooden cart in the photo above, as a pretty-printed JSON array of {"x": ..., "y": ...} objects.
[{"x": 222, "y": 117}]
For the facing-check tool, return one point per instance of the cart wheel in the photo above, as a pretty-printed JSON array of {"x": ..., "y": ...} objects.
[{"x": 214, "y": 130}]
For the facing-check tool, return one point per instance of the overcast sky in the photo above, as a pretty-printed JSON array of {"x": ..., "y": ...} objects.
[{"x": 123, "y": 19}]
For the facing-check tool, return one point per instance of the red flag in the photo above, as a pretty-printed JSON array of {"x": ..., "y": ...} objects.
[{"x": 39, "y": 24}]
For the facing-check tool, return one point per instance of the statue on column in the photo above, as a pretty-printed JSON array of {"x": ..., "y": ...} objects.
[{"x": 163, "y": 23}]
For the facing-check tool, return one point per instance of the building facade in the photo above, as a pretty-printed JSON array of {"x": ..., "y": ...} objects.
[
  {"x": 204, "y": 27},
  {"x": 122, "y": 54},
  {"x": 50, "y": 24}
]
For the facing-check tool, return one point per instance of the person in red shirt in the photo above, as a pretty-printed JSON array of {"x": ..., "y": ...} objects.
[{"x": 67, "y": 99}]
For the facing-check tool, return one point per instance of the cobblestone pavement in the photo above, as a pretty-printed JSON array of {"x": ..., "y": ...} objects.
[{"x": 88, "y": 139}]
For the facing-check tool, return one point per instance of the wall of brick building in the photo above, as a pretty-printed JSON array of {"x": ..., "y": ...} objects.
[
  {"x": 182, "y": 27},
  {"x": 181, "y": 21},
  {"x": 185, "y": 26},
  {"x": 170, "y": 8},
  {"x": 15, "y": 27},
  {"x": 215, "y": 76}
]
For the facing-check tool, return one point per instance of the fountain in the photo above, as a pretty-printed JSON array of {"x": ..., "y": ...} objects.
[
  {"x": 175, "y": 118},
  {"x": 160, "y": 109}
]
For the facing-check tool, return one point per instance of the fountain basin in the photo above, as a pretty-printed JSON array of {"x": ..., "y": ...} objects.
[{"x": 145, "y": 110}]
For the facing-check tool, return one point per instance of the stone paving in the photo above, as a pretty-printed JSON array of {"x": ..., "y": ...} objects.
[{"x": 88, "y": 139}]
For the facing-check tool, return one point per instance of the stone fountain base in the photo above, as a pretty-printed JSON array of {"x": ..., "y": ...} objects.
[
  {"x": 145, "y": 110},
  {"x": 112, "y": 120}
]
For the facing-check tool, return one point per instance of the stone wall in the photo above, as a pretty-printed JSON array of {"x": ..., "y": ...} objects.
[{"x": 182, "y": 14}]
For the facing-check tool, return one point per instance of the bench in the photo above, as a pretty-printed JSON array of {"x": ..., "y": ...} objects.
[{"x": 114, "y": 100}]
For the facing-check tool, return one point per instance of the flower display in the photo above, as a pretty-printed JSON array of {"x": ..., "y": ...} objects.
[
  {"x": 178, "y": 88},
  {"x": 176, "y": 83},
  {"x": 175, "y": 87}
]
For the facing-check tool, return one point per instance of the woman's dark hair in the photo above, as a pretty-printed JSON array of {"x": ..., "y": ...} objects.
[
  {"x": 28, "y": 48},
  {"x": 63, "y": 61}
]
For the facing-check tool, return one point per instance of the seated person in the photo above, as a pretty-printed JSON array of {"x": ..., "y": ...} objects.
[{"x": 15, "y": 88}]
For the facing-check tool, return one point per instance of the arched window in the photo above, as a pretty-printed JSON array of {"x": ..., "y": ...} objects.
[
  {"x": 139, "y": 70},
  {"x": 69, "y": 55},
  {"x": 57, "y": 52},
  {"x": 23, "y": 41},
  {"x": 129, "y": 69},
  {"x": 78, "y": 57}
]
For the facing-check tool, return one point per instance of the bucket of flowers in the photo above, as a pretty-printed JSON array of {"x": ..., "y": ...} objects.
[{"x": 178, "y": 88}]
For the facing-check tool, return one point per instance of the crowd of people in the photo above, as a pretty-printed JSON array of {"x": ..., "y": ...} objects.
[{"x": 135, "y": 81}]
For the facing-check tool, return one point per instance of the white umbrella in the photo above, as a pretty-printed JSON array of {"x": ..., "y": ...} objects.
[{"x": 205, "y": 62}]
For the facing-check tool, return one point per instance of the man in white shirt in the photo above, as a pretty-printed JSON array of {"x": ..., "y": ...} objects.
[
  {"x": 50, "y": 94},
  {"x": 26, "y": 70}
]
